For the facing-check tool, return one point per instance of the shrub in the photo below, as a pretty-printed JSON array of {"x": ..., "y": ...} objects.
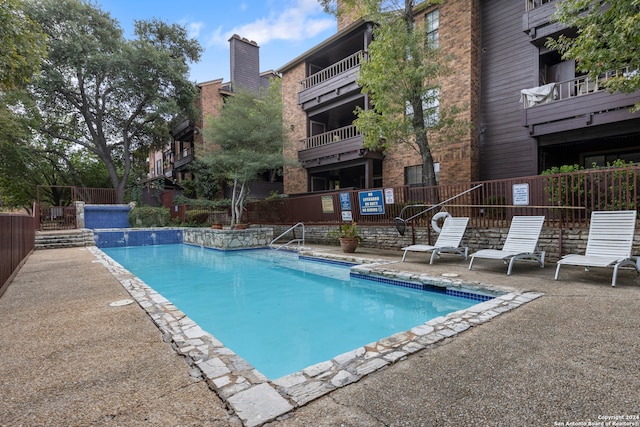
[
  {"x": 197, "y": 217},
  {"x": 147, "y": 216}
]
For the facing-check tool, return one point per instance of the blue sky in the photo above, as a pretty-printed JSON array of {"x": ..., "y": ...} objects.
[{"x": 283, "y": 29}]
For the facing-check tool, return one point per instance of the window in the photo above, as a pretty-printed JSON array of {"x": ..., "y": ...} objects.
[
  {"x": 432, "y": 22},
  {"x": 430, "y": 108},
  {"x": 413, "y": 174}
]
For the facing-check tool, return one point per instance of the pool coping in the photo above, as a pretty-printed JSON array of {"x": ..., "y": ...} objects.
[{"x": 253, "y": 397}]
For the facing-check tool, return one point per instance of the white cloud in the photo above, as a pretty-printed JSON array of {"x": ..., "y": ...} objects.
[
  {"x": 297, "y": 20},
  {"x": 194, "y": 28}
]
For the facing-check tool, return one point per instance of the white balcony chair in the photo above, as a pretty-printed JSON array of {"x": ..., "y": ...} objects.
[
  {"x": 609, "y": 243},
  {"x": 520, "y": 244},
  {"x": 448, "y": 241}
]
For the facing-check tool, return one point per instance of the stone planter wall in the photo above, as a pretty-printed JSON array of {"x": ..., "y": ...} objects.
[{"x": 228, "y": 239}]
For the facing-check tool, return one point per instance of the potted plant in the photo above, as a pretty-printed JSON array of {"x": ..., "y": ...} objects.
[{"x": 348, "y": 236}]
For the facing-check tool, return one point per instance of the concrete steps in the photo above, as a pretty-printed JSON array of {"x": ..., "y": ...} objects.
[{"x": 64, "y": 239}]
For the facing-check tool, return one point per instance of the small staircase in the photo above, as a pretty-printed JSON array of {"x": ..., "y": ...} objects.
[{"x": 64, "y": 239}]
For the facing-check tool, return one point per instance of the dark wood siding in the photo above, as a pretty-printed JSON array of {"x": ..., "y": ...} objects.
[
  {"x": 508, "y": 64},
  {"x": 245, "y": 64}
]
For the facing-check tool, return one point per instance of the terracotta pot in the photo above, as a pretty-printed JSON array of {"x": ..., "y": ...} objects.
[
  {"x": 216, "y": 226},
  {"x": 240, "y": 226},
  {"x": 348, "y": 244}
]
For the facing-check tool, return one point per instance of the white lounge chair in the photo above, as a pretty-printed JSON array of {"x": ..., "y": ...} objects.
[
  {"x": 448, "y": 241},
  {"x": 520, "y": 244},
  {"x": 609, "y": 243}
]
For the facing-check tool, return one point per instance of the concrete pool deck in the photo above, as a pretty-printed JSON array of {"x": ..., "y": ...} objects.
[{"x": 570, "y": 356}]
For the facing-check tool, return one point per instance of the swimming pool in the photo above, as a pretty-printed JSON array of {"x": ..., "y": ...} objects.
[{"x": 280, "y": 312}]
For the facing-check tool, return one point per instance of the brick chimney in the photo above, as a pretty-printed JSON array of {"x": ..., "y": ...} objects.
[
  {"x": 348, "y": 14},
  {"x": 245, "y": 63}
]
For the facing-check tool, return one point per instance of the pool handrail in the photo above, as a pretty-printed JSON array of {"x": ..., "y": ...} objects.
[
  {"x": 401, "y": 223},
  {"x": 299, "y": 241}
]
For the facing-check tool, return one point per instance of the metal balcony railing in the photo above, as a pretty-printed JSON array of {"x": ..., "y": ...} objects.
[
  {"x": 340, "y": 67},
  {"x": 333, "y": 136}
]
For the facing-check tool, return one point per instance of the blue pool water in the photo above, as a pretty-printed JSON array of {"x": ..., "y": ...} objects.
[{"x": 279, "y": 312}]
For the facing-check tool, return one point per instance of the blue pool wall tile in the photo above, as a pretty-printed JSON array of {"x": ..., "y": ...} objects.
[
  {"x": 425, "y": 287},
  {"x": 106, "y": 216},
  {"x": 117, "y": 238}
]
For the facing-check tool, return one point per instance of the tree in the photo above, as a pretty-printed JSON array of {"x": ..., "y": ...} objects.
[
  {"x": 247, "y": 140},
  {"x": 111, "y": 96},
  {"x": 402, "y": 78},
  {"x": 22, "y": 45},
  {"x": 607, "y": 39}
]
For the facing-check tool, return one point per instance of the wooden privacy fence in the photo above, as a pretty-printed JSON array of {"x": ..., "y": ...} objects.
[
  {"x": 17, "y": 240},
  {"x": 566, "y": 200}
]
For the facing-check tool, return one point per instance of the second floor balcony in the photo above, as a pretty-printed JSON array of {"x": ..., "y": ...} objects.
[
  {"x": 332, "y": 82},
  {"x": 183, "y": 157},
  {"x": 338, "y": 145}
]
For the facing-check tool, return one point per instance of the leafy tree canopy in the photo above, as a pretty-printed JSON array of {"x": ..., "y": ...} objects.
[
  {"x": 607, "y": 39},
  {"x": 111, "y": 96},
  {"x": 247, "y": 140},
  {"x": 22, "y": 45}
]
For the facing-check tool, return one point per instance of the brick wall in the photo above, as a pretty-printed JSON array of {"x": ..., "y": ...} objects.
[
  {"x": 347, "y": 16},
  {"x": 210, "y": 105},
  {"x": 458, "y": 32},
  {"x": 295, "y": 121}
]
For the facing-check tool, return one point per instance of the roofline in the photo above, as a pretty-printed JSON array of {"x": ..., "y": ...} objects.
[
  {"x": 209, "y": 82},
  {"x": 355, "y": 24}
]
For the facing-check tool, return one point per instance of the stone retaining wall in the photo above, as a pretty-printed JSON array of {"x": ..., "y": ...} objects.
[{"x": 387, "y": 237}]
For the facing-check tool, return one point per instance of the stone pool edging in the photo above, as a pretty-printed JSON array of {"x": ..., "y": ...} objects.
[{"x": 255, "y": 399}]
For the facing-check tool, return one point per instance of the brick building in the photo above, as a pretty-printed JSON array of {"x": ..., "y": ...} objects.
[
  {"x": 320, "y": 93},
  {"x": 188, "y": 138},
  {"x": 498, "y": 60}
]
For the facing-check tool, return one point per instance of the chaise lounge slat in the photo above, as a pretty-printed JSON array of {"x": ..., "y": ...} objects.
[
  {"x": 608, "y": 245},
  {"x": 520, "y": 244},
  {"x": 448, "y": 241}
]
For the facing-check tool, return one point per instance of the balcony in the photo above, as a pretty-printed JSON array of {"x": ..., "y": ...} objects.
[
  {"x": 183, "y": 157},
  {"x": 332, "y": 82},
  {"x": 335, "y": 146},
  {"x": 575, "y": 104},
  {"x": 536, "y": 21},
  {"x": 534, "y": 4}
]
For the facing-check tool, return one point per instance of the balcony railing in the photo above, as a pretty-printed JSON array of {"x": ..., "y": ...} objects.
[
  {"x": 532, "y": 4},
  {"x": 579, "y": 86},
  {"x": 331, "y": 137},
  {"x": 183, "y": 157},
  {"x": 340, "y": 67}
]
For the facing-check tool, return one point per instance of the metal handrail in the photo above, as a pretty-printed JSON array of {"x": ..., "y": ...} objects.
[
  {"x": 401, "y": 223},
  {"x": 298, "y": 241}
]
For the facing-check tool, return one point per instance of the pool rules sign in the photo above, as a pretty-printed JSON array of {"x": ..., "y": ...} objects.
[{"x": 371, "y": 202}]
